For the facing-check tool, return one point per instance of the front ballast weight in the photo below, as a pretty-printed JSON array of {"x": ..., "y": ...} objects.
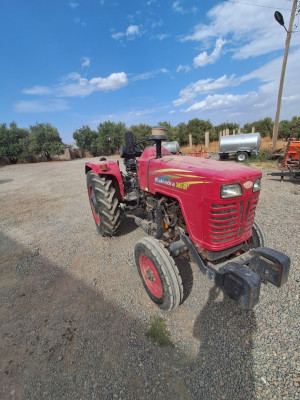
[{"x": 241, "y": 278}]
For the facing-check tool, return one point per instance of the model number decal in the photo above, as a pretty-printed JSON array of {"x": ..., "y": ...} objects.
[
  {"x": 166, "y": 180},
  {"x": 182, "y": 185}
]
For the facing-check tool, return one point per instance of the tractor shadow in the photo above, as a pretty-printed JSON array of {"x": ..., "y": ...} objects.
[
  {"x": 127, "y": 226},
  {"x": 186, "y": 273},
  {"x": 224, "y": 360},
  {"x": 61, "y": 338},
  {"x": 5, "y": 181}
]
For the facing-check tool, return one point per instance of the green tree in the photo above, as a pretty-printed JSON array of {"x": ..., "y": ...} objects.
[
  {"x": 141, "y": 131},
  {"x": 85, "y": 139},
  {"x": 263, "y": 126},
  {"x": 45, "y": 139},
  {"x": 198, "y": 127},
  {"x": 110, "y": 136},
  {"x": 228, "y": 125},
  {"x": 284, "y": 129},
  {"x": 13, "y": 142},
  {"x": 295, "y": 122},
  {"x": 182, "y": 134}
]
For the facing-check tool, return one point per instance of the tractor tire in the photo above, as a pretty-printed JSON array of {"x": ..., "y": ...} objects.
[
  {"x": 258, "y": 238},
  {"x": 104, "y": 204},
  {"x": 241, "y": 156},
  {"x": 159, "y": 273}
]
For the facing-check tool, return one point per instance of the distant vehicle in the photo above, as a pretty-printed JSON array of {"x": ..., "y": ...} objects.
[{"x": 242, "y": 145}]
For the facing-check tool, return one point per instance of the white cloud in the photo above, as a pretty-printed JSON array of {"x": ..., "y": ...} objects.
[
  {"x": 78, "y": 21},
  {"x": 74, "y": 4},
  {"x": 38, "y": 90},
  {"x": 112, "y": 82},
  {"x": 252, "y": 31},
  {"x": 222, "y": 101},
  {"x": 83, "y": 87},
  {"x": 204, "y": 86},
  {"x": 74, "y": 85},
  {"x": 149, "y": 74},
  {"x": 160, "y": 36},
  {"x": 86, "y": 61},
  {"x": 177, "y": 7},
  {"x": 132, "y": 32},
  {"x": 184, "y": 68},
  {"x": 157, "y": 23},
  {"x": 246, "y": 106},
  {"x": 118, "y": 35},
  {"x": 204, "y": 59},
  {"x": 36, "y": 106}
]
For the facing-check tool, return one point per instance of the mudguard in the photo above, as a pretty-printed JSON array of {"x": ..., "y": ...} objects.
[{"x": 107, "y": 168}]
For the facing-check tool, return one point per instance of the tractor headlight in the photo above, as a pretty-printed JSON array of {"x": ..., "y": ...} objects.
[
  {"x": 257, "y": 185},
  {"x": 232, "y": 190}
]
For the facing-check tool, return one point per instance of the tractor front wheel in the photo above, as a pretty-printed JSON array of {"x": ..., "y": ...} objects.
[
  {"x": 104, "y": 204},
  {"x": 258, "y": 238},
  {"x": 159, "y": 273}
]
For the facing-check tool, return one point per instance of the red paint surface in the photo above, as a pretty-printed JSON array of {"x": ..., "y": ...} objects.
[
  {"x": 213, "y": 223},
  {"x": 150, "y": 276},
  {"x": 112, "y": 169}
]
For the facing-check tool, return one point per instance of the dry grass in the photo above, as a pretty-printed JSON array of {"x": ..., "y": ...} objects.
[{"x": 266, "y": 145}]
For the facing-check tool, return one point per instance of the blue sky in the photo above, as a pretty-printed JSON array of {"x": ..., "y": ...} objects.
[{"x": 81, "y": 62}]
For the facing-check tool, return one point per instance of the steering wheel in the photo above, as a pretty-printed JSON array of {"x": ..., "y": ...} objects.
[{"x": 141, "y": 145}]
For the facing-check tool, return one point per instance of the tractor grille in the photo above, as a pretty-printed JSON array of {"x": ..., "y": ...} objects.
[{"x": 228, "y": 222}]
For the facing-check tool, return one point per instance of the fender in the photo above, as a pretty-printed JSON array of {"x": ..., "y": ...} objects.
[{"x": 112, "y": 168}]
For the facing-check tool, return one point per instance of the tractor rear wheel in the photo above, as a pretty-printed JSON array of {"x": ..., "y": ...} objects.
[
  {"x": 159, "y": 273},
  {"x": 104, "y": 203}
]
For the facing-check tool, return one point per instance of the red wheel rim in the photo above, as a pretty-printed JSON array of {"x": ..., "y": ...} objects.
[
  {"x": 91, "y": 197},
  {"x": 150, "y": 276}
]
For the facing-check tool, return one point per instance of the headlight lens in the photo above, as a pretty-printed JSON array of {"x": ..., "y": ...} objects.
[
  {"x": 257, "y": 185},
  {"x": 229, "y": 191}
]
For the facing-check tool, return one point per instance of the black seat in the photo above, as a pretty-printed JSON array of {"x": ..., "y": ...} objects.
[{"x": 129, "y": 150}]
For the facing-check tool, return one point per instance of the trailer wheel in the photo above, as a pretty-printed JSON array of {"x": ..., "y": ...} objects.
[
  {"x": 104, "y": 204},
  {"x": 241, "y": 156},
  {"x": 159, "y": 273}
]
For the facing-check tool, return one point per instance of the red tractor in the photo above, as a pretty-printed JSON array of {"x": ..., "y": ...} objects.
[{"x": 191, "y": 206}]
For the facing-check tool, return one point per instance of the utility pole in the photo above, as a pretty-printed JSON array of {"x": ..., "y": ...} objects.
[{"x": 286, "y": 52}]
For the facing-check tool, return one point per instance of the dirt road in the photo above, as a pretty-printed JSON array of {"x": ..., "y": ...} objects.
[{"x": 74, "y": 312}]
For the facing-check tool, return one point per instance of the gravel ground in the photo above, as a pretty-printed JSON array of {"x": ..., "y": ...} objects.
[{"x": 74, "y": 312}]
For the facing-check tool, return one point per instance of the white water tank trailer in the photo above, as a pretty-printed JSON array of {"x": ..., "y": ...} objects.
[{"x": 242, "y": 145}]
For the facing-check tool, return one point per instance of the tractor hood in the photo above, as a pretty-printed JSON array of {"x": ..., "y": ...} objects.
[{"x": 222, "y": 171}]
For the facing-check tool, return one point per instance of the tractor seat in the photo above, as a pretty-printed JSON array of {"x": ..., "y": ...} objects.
[{"x": 129, "y": 150}]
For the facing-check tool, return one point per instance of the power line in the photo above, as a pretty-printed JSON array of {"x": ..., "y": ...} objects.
[{"x": 258, "y": 5}]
